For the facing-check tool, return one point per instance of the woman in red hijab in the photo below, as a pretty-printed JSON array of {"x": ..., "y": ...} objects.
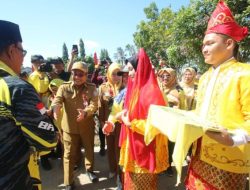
[{"x": 141, "y": 163}]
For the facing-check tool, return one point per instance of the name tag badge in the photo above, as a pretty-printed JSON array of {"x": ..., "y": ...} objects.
[
  {"x": 85, "y": 100},
  {"x": 107, "y": 94}
]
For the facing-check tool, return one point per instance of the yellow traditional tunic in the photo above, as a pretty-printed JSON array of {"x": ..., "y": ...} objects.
[
  {"x": 229, "y": 107},
  {"x": 139, "y": 126},
  {"x": 160, "y": 149}
]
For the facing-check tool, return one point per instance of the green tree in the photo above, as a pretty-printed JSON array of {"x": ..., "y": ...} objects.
[
  {"x": 120, "y": 55},
  {"x": 241, "y": 10},
  {"x": 82, "y": 50},
  {"x": 130, "y": 49},
  {"x": 104, "y": 55},
  {"x": 153, "y": 34},
  {"x": 187, "y": 32},
  {"x": 189, "y": 26},
  {"x": 152, "y": 11},
  {"x": 90, "y": 61},
  {"x": 65, "y": 54},
  {"x": 176, "y": 37}
]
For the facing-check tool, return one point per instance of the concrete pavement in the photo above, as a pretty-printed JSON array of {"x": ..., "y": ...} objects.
[{"x": 53, "y": 179}]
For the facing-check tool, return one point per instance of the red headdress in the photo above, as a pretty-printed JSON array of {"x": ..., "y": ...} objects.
[{"x": 222, "y": 22}]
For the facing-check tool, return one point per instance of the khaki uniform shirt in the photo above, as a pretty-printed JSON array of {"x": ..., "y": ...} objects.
[{"x": 72, "y": 98}]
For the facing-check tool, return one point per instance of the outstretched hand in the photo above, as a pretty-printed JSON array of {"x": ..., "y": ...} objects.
[
  {"x": 81, "y": 115},
  {"x": 56, "y": 112}
]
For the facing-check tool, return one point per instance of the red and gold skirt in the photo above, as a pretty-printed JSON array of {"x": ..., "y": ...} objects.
[
  {"x": 139, "y": 181},
  {"x": 203, "y": 176}
]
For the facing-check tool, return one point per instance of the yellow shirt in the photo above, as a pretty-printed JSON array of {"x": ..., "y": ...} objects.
[
  {"x": 41, "y": 84},
  {"x": 229, "y": 107}
]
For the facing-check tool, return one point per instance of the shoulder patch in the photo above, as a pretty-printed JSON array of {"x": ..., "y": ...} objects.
[{"x": 41, "y": 108}]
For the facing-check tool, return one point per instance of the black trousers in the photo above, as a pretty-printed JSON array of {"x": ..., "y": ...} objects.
[{"x": 102, "y": 138}]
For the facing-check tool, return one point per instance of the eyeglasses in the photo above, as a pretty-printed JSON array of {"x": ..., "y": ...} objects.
[
  {"x": 82, "y": 74},
  {"x": 24, "y": 52},
  {"x": 115, "y": 74}
]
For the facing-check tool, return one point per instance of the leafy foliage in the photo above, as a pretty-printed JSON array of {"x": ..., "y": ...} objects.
[
  {"x": 82, "y": 49},
  {"x": 130, "y": 49},
  {"x": 154, "y": 35},
  {"x": 120, "y": 55},
  {"x": 176, "y": 37},
  {"x": 104, "y": 55},
  {"x": 90, "y": 61},
  {"x": 65, "y": 54}
]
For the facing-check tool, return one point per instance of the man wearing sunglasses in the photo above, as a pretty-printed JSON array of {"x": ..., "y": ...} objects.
[
  {"x": 22, "y": 115},
  {"x": 80, "y": 101}
]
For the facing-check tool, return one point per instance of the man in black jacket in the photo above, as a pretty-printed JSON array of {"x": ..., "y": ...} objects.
[{"x": 22, "y": 115}]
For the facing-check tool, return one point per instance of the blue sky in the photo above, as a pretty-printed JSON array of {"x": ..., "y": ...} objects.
[{"x": 46, "y": 24}]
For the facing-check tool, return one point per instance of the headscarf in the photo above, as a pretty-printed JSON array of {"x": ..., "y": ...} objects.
[
  {"x": 187, "y": 86},
  {"x": 189, "y": 89},
  {"x": 169, "y": 88},
  {"x": 55, "y": 82},
  {"x": 111, "y": 69},
  {"x": 172, "y": 81}
]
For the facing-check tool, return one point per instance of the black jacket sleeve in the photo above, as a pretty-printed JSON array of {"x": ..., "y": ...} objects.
[{"x": 29, "y": 113}]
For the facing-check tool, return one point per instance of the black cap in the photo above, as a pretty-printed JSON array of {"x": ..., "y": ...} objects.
[
  {"x": 37, "y": 58},
  {"x": 9, "y": 33},
  {"x": 57, "y": 60}
]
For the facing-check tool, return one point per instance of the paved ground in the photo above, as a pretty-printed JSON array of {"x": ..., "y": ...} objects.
[{"x": 53, "y": 180}]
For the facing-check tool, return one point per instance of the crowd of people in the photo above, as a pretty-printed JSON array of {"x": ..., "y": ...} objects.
[{"x": 54, "y": 111}]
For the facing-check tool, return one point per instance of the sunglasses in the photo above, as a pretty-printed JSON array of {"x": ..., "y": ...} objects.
[
  {"x": 24, "y": 52},
  {"x": 79, "y": 74}
]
